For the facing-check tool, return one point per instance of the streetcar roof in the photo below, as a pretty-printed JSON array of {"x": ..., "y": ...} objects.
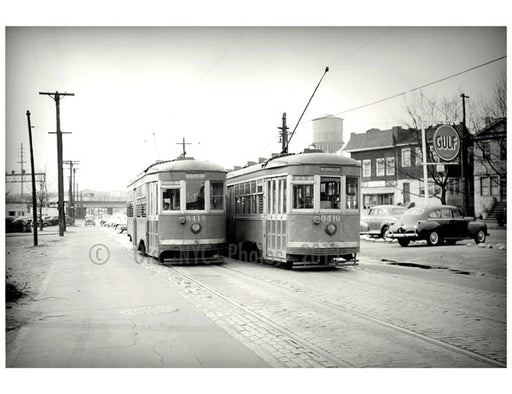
[
  {"x": 187, "y": 164},
  {"x": 316, "y": 158}
]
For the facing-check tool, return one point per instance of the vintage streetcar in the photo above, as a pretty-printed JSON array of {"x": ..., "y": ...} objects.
[
  {"x": 295, "y": 210},
  {"x": 176, "y": 211}
]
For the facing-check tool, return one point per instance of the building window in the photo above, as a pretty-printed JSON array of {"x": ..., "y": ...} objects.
[
  {"x": 486, "y": 150},
  {"x": 380, "y": 167},
  {"x": 418, "y": 156},
  {"x": 406, "y": 157},
  {"x": 495, "y": 183},
  {"x": 485, "y": 186},
  {"x": 454, "y": 186},
  {"x": 390, "y": 165},
  {"x": 367, "y": 168}
]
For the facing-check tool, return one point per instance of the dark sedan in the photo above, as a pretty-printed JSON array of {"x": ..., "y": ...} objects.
[{"x": 436, "y": 224}]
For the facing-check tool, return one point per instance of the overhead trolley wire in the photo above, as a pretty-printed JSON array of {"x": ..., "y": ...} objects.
[{"x": 417, "y": 88}]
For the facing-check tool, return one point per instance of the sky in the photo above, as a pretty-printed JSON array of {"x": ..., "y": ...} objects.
[{"x": 139, "y": 90}]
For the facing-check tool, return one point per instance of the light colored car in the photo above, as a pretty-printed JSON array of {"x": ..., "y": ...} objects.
[
  {"x": 436, "y": 224},
  {"x": 380, "y": 218}
]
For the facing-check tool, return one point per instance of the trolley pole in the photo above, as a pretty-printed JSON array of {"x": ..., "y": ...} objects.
[
  {"x": 34, "y": 197},
  {"x": 60, "y": 172}
]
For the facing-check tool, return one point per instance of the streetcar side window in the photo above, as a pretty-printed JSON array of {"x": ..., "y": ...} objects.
[
  {"x": 195, "y": 195},
  {"x": 216, "y": 195},
  {"x": 352, "y": 192},
  {"x": 303, "y": 196},
  {"x": 170, "y": 200},
  {"x": 330, "y": 193}
]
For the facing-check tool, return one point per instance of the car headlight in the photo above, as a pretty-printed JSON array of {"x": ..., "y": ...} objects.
[
  {"x": 317, "y": 220},
  {"x": 331, "y": 229},
  {"x": 196, "y": 227}
]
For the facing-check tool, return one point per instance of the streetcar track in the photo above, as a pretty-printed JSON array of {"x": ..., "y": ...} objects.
[
  {"x": 292, "y": 338},
  {"x": 298, "y": 292}
]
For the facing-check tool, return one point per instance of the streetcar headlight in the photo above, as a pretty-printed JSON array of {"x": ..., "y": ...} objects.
[
  {"x": 331, "y": 229},
  {"x": 182, "y": 219},
  {"x": 196, "y": 227},
  {"x": 317, "y": 220}
]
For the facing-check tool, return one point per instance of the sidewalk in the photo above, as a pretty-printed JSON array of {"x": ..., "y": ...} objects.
[{"x": 117, "y": 314}]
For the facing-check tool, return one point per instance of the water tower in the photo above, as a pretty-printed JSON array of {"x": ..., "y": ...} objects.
[{"x": 328, "y": 133}]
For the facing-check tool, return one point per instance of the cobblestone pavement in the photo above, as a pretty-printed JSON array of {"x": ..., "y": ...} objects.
[{"x": 345, "y": 317}]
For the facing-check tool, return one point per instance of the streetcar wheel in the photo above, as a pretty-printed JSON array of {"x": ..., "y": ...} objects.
[
  {"x": 434, "y": 238},
  {"x": 142, "y": 249},
  {"x": 480, "y": 237},
  {"x": 403, "y": 241}
]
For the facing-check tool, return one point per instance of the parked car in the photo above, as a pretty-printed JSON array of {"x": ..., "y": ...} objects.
[
  {"x": 54, "y": 220},
  {"x": 89, "y": 221},
  {"x": 380, "y": 218},
  {"x": 436, "y": 224},
  {"x": 22, "y": 224}
]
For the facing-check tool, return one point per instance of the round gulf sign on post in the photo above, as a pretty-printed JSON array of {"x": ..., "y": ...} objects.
[{"x": 446, "y": 143}]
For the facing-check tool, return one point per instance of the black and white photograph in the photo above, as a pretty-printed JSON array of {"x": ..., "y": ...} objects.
[{"x": 254, "y": 197}]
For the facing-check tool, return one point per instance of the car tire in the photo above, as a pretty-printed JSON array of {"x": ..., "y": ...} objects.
[
  {"x": 383, "y": 231},
  {"x": 434, "y": 239},
  {"x": 403, "y": 241},
  {"x": 480, "y": 237}
]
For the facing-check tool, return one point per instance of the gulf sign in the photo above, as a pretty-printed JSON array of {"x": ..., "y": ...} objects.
[{"x": 446, "y": 143}]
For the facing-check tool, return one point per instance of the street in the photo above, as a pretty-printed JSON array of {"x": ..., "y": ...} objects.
[{"x": 86, "y": 311}]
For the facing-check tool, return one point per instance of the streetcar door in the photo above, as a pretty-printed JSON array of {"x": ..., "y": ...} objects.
[{"x": 275, "y": 219}]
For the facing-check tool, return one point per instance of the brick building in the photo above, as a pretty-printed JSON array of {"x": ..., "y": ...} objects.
[{"x": 392, "y": 170}]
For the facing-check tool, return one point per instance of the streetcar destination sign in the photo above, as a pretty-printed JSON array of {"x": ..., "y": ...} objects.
[{"x": 446, "y": 143}]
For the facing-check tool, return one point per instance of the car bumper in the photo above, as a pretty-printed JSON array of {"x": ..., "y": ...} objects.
[{"x": 401, "y": 233}]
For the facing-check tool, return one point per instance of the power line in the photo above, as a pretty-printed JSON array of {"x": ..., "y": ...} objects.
[
  {"x": 417, "y": 88},
  {"x": 221, "y": 57}
]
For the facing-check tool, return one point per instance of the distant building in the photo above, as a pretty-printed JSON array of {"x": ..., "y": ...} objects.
[
  {"x": 490, "y": 169},
  {"x": 328, "y": 134},
  {"x": 392, "y": 170}
]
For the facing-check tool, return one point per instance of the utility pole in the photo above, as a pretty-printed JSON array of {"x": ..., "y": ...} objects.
[
  {"x": 284, "y": 135},
  {"x": 62, "y": 219},
  {"x": 466, "y": 167},
  {"x": 34, "y": 197},
  {"x": 71, "y": 207}
]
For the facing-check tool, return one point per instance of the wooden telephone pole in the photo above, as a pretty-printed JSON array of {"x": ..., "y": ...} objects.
[
  {"x": 62, "y": 219},
  {"x": 34, "y": 196}
]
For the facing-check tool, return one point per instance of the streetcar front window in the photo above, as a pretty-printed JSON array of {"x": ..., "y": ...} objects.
[
  {"x": 195, "y": 195},
  {"x": 330, "y": 193},
  {"x": 352, "y": 188},
  {"x": 303, "y": 196},
  {"x": 216, "y": 195},
  {"x": 171, "y": 200}
]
